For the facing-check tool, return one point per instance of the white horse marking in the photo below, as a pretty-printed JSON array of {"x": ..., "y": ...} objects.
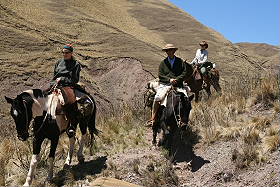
[
  {"x": 34, "y": 161},
  {"x": 71, "y": 150},
  {"x": 15, "y": 112},
  {"x": 81, "y": 148}
]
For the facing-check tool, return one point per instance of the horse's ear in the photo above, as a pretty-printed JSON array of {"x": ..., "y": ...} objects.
[
  {"x": 191, "y": 97},
  {"x": 9, "y": 100}
]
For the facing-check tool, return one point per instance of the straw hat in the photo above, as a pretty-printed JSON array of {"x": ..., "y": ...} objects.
[
  {"x": 169, "y": 46},
  {"x": 204, "y": 43}
]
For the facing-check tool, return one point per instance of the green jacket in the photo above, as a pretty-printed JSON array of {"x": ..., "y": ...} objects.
[
  {"x": 178, "y": 72},
  {"x": 68, "y": 71}
]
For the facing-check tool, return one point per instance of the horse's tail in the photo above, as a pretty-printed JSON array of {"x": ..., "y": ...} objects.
[{"x": 92, "y": 126}]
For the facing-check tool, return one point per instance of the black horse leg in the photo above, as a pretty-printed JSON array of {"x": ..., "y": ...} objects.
[
  {"x": 196, "y": 96},
  {"x": 155, "y": 128},
  {"x": 54, "y": 143},
  {"x": 217, "y": 87},
  {"x": 208, "y": 90}
]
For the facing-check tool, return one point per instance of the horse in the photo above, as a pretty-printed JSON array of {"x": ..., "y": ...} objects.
[
  {"x": 173, "y": 117},
  {"x": 195, "y": 82},
  {"x": 49, "y": 123}
]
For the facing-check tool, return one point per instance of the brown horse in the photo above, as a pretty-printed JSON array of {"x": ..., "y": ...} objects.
[{"x": 195, "y": 82}]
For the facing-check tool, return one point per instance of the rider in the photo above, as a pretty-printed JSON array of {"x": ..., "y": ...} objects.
[
  {"x": 201, "y": 57},
  {"x": 172, "y": 71},
  {"x": 67, "y": 74}
]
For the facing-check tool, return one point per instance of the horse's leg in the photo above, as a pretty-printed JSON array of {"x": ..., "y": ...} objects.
[
  {"x": 37, "y": 142},
  {"x": 34, "y": 161},
  {"x": 217, "y": 86},
  {"x": 208, "y": 90},
  {"x": 70, "y": 152},
  {"x": 155, "y": 128},
  {"x": 83, "y": 128},
  {"x": 54, "y": 143},
  {"x": 196, "y": 94},
  {"x": 92, "y": 126}
]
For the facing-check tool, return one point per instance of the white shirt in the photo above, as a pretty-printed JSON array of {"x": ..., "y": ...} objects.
[{"x": 200, "y": 57}]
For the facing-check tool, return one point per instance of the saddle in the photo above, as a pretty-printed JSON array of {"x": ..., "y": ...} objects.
[
  {"x": 197, "y": 74},
  {"x": 68, "y": 94}
]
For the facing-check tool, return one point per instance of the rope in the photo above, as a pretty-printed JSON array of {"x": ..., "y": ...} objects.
[{"x": 173, "y": 107}]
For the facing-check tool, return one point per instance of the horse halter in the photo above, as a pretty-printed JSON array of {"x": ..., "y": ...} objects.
[{"x": 26, "y": 117}]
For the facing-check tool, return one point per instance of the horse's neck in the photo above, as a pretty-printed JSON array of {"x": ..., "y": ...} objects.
[
  {"x": 39, "y": 106},
  {"x": 42, "y": 104}
]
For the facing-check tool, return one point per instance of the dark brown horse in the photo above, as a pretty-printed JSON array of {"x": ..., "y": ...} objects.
[{"x": 195, "y": 82}]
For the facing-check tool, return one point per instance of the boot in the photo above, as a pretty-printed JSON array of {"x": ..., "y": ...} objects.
[{"x": 72, "y": 113}]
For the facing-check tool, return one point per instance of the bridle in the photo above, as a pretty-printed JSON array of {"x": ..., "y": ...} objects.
[
  {"x": 26, "y": 116},
  {"x": 27, "y": 123},
  {"x": 178, "y": 121}
]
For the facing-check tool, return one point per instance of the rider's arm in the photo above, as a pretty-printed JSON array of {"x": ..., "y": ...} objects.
[
  {"x": 76, "y": 74},
  {"x": 195, "y": 60},
  {"x": 73, "y": 76},
  {"x": 181, "y": 77},
  {"x": 55, "y": 72},
  {"x": 162, "y": 74}
]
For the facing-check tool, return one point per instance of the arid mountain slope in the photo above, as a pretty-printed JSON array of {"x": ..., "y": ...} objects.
[
  {"x": 269, "y": 53},
  {"x": 125, "y": 28}
]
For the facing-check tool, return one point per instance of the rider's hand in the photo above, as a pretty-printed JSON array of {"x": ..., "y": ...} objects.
[{"x": 173, "y": 81}]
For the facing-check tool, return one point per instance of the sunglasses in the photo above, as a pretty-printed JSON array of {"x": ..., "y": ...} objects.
[{"x": 65, "y": 52}]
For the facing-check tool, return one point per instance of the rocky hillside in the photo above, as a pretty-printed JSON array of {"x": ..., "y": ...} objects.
[
  {"x": 119, "y": 46},
  {"x": 32, "y": 33}
]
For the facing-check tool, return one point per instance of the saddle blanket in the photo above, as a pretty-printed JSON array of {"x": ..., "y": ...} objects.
[{"x": 162, "y": 90}]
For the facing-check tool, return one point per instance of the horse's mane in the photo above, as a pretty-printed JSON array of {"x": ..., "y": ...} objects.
[{"x": 27, "y": 96}]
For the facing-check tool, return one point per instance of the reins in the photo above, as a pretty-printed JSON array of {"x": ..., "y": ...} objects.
[{"x": 178, "y": 121}]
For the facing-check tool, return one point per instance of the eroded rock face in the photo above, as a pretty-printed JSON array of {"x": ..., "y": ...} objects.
[{"x": 122, "y": 80}]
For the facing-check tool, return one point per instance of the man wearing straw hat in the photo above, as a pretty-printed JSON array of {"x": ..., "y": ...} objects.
[{"x": 172, "y": 71}]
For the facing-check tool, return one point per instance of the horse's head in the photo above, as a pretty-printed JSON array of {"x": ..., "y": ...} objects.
[
  {"x": 179, "y": 105},
  {"x": 21, "y": 111}
]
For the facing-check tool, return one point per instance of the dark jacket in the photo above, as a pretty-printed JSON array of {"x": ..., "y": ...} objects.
[
  {"x": 178, "y": 72},
  {"x": 68, "y": 71}
]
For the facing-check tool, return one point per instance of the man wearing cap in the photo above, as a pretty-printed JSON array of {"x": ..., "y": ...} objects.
[
  {"x": 67, "y": 70},
  {"x": 67, "y": 74},
  {"x": 172, "y": 71}
]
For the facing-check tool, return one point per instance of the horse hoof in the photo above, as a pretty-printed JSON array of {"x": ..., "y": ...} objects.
[
  {"x": 49, "y": 178},
  {"x": 160, "y": 143}
]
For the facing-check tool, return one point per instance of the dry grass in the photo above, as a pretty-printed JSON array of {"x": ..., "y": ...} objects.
[
  {"x": 120, "y": 132},
  {"x": 226, "y": 118}
]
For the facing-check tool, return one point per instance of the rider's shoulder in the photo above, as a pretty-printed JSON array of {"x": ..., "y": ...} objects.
[{"x": 179, "y": 59}]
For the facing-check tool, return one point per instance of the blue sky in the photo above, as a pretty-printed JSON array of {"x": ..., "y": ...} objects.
[{"x": 256, "y": 21}]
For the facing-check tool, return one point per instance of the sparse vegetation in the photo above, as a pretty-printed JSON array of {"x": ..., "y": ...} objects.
[{"x": 221, "y": 119}]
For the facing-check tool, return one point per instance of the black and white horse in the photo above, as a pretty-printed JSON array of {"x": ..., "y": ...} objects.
[
  {"x": 172, "y": 117},
  {"x": 33, "y": 104}
]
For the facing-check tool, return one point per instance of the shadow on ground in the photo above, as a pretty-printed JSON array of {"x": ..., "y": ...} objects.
[
  {"x": 78, "y": 172},
  {"x": 182, "y": 149}
]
